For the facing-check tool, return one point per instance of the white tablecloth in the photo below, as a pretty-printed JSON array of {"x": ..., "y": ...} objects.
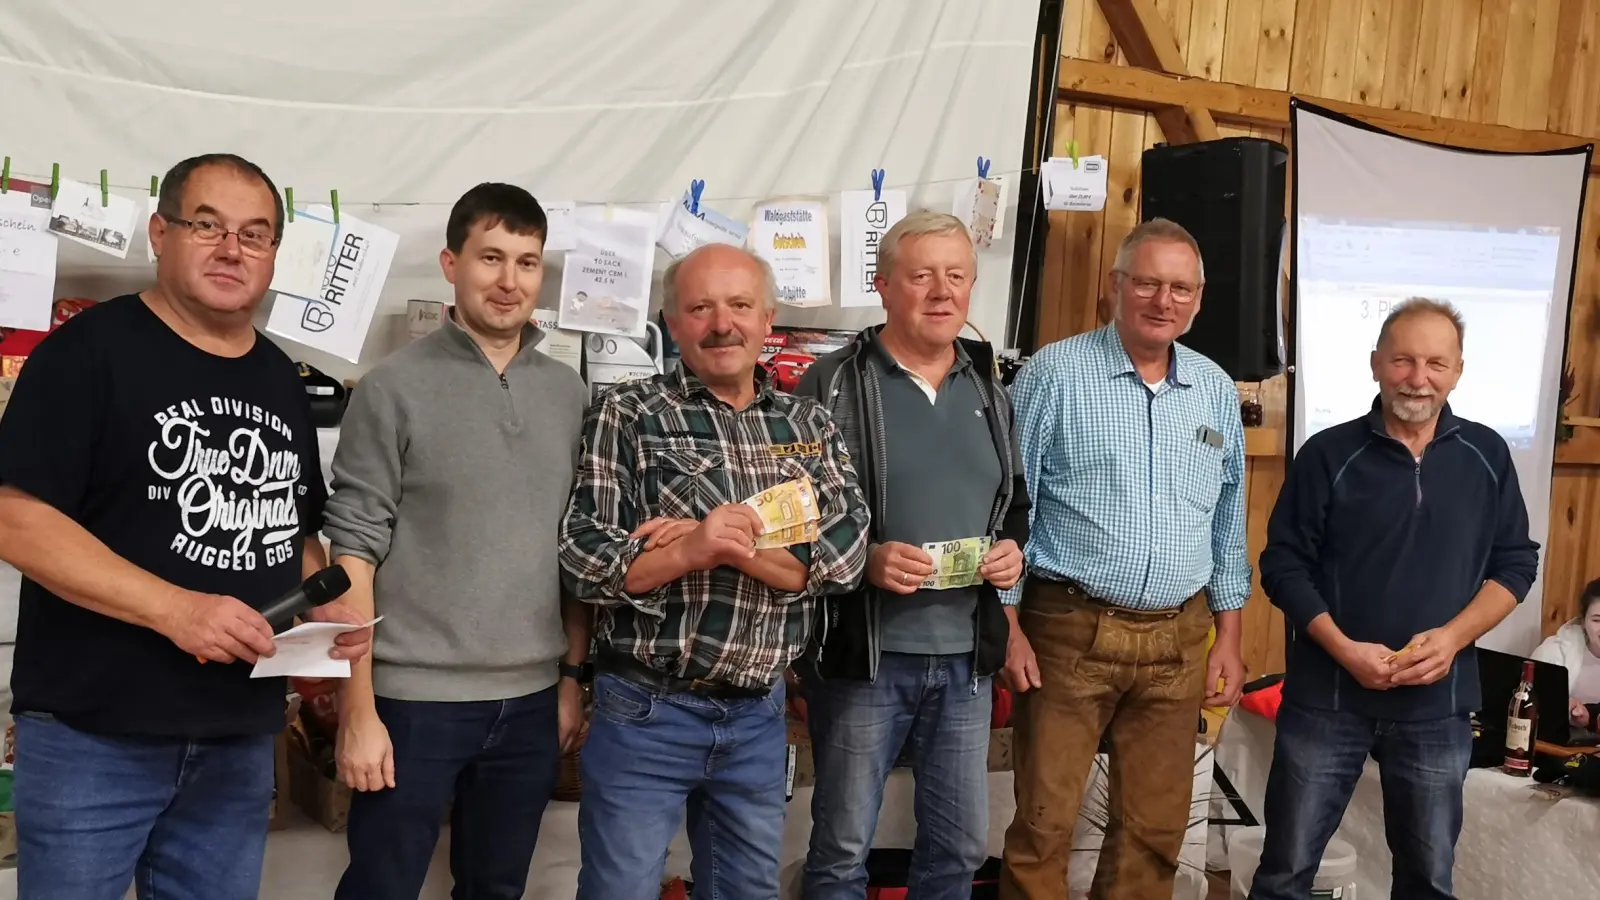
[{"x": 1515, "y": 840}]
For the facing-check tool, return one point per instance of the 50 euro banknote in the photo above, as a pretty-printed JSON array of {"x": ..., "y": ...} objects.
[
  {"x": 788, "y": 512},
  {"x": 955, "y": 563}
]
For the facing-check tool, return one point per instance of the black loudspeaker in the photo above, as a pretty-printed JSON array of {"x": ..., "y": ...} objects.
[{"x": 1229, "y": 194}]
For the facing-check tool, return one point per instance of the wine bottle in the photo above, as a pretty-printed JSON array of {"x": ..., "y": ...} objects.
[{"x": 1521, "y": 720}]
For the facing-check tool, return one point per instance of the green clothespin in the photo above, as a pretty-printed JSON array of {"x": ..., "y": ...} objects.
[
  {"x": 55, "y": 179},
  {"x": 105, "y": 190},
  {"x": 5, "y": 177},
  {"x": 288, "y": 202},
  {"x": 334, "y": 196},
  {"x": 155, "y": 185},
  {"x": 1072, "y": 151}
]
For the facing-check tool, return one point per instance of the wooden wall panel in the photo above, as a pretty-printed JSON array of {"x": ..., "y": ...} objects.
[{"x": 1530, "y": 64}]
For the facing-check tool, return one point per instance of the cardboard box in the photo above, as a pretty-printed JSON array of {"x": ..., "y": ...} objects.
[
  {"x": 423, "y": 317},
  {"x": 324, "y": 799}
]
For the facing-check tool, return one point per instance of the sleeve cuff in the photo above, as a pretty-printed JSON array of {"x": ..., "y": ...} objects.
[{"x": 1012, "y": 596}]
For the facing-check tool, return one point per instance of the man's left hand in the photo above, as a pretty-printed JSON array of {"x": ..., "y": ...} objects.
[
  {"x": 1224, "y": 663},
  {"x": 351, "y": 645},
  {"x": 663, "y": 531},
  {"x": 569, "y": 712},
  {"x": 1002, "y": 566},
  {"x": 1426, "y": 658}
]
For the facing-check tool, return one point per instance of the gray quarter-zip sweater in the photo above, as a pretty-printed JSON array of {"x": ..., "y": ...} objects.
[{"x": 452, "y": 479}]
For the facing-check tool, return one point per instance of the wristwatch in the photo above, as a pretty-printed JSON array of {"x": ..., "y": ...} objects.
[{"x": 583, "y": 672}]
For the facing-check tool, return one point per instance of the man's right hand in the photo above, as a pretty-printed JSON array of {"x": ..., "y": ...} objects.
[
  {"x": 898, "y": 568},
  {"x": 364, "y": 754},
  {"x": 1370, "y": 664},
  {"x": 726, "y": 535},
  {"x": 219, "y": 629}
]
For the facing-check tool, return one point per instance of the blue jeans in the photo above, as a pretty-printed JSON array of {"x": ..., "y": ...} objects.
[
  {"x": 498, "y": 759},
  {"x": 181, "y": 820},
  {"x": 857, "y": 730},
  {"x": 649, "y": 755},
  {"x": 1318, "y": 758}
]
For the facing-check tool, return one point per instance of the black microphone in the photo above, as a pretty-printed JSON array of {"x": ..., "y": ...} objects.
[{"x": 323, "y": 587}]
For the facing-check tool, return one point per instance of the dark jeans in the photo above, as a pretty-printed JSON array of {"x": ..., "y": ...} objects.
[
  {"x": 1317, "y": 759},
  {"x": 498, "y": 759},
  {"x": 857, "y": 729},
  {"x": 650, "y": 755},
  {"x": 181, "y": 820}
]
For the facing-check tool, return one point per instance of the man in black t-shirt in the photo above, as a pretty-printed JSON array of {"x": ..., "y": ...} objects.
[{"x": 159, "y": 484}]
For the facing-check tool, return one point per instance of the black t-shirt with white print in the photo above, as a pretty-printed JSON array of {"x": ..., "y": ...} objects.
[{"x": 200, "y": 469}]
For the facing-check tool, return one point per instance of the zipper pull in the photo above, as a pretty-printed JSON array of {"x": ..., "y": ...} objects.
[{"x": 503, "y": 383}]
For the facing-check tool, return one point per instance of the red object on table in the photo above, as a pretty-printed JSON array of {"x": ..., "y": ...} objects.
[{"x": 1000, "y": 717}]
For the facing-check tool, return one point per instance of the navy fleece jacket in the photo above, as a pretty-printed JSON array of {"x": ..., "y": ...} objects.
[{"x": 1389, "y": 547}]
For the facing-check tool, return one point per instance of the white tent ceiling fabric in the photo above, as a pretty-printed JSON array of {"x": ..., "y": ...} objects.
[{"x": 401, "y": 105}]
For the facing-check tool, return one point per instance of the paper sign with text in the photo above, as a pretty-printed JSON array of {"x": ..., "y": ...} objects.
[
  {"x": 605, "y": 280},
  {"x": 78, "y": 215},
  {"x": 337, "y": 319},
  {"x": 863, "y": 220},
  {"x": 792, "y": 236},
  {"x": 27, "y": 263}
]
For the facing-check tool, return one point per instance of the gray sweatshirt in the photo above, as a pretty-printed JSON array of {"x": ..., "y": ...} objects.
[{"x": 452, "y": 480}]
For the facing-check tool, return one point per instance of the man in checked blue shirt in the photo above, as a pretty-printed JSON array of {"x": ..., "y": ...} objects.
[{"x": 1134, "y": 455}]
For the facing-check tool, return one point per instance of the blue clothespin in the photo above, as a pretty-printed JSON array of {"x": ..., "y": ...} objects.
[
  {"x": 983, "y": 167},
  {"x": 877, "y": 185},
  {"x": 696, "y": 188}
]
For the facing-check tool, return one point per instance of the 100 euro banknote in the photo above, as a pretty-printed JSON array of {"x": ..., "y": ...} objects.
[{"x": 955, "y": 563}]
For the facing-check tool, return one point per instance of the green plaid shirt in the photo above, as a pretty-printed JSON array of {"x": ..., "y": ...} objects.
[{"x": 667, "y": 447}]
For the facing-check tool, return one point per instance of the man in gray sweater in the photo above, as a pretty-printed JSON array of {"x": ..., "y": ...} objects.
[{"x": 454, "y": 465}]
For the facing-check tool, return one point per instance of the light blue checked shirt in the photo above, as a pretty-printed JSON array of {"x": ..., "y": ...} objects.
[{"x": 1129, "y": 500}]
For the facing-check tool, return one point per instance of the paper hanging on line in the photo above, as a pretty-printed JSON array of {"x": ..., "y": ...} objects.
[
  {"x": 27, "y": 260},
  {"x": 337, "y": 320},
  {"x": 977, "y": 205},
  {"x": 605, "y": 280},
  {"x": 303, "y": 255},
  {"x": 303, "y": 652},
  {"x": 559, "y": 344},
  {"x": 682, "y": 231},
  {"x": 864, "y": 217},
  {"x": 955, "y": 563},
  {"x": 78, "y": 215},
  {"x": 560, "y": 234},
  {"x": 792, "y": 236},
  {"x": 1000, "y": 205},
  {"x": 1074, "y": 188}
]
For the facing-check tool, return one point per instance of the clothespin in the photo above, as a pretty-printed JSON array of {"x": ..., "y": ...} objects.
[
  {"x": 105, "y": 190},
  {"x": 155, "y": 186},
  {"x": 288, "y": 202},
  {"x": 55, "y": 179},
  {"x": 983, "y": 167},
  {"x": 5, "y": 177},
  {"x": 877, "y": 185},
  {"x": 696, "y": 188},
  {"x": 334, "y": 196},
  {"x": 1072, "y": 151}
]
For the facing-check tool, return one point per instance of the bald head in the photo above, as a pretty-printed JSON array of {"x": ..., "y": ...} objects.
[
  {"x": 719, "y": 302},
  {"x": 718, "y": 257}
]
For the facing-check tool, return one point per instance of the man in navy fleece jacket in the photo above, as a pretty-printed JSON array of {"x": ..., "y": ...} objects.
[{"x": 1398, "y": 540}]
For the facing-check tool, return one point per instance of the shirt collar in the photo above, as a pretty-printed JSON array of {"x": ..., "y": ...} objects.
[
  {"x": 963, "y": 358},
  {"x": 458, "y": 336},
  {"x": 1118, "y": 362},
  {"x": 689, "y": 384},
  {"x": 1448, "y": 421}
]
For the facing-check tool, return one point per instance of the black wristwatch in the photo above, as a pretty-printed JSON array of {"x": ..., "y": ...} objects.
[{"x": 583, "y": 672}]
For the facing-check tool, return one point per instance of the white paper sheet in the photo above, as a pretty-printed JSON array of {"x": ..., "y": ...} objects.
[
  {"x": 303, "y": 652},
  {"x": 338, "y": 318},
  {"x": 559, "y": 344},
  {"x": 78, "y": 215},
  {"x": 792, "y": 235},
  {"x": 1080, "y": 188},
  {"x": 605, "y": 282},
  {"x": 864, "y": 217},
  {"x": 27, "y": 263},
  {"x": 977, "y": 205},
  {"x": 562, "y": 233},
  {"x": 303, "y": 255},
  {"x": 682, "y": 231}
]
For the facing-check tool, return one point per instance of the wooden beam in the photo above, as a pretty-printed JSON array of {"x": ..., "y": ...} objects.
[
  {"x": 1147, "y": 42},
  {"x": 1127, "y": 87}
]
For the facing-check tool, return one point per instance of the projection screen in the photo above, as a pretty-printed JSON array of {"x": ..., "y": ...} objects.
[{"x": 1379, "y": 218}]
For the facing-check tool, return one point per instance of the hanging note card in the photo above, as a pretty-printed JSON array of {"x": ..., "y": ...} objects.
[
  {"x": 864, "y": 218},
  {"x": 605, "y": 281},
  {"x": 78, "y": 215},
  {"x": 792, "y": 236}
]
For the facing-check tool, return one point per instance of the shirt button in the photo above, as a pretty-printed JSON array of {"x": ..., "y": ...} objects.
[{"x": 1158, "y": 498}]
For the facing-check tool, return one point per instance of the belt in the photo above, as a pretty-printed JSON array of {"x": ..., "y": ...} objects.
[
  {"x": 611, "y": 662},
  {"x": 1112, "y": 607}
]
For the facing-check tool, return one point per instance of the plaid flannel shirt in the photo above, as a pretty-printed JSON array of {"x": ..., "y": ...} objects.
[{"x": 666, "y": 447}]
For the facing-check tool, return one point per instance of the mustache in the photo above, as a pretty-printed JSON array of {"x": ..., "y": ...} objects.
[{"x": 728, "y": 339}]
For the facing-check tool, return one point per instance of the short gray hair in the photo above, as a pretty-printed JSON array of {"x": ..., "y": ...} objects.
[
  {"x": 1157, "y": 230},
  {"x": 917, "y": 224},
  {"x": 669, "y": 279},
  {"x": 1418, "y": 306}
]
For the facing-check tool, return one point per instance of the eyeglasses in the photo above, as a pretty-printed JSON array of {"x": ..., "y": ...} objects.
[
  {"x": 1182, "y": 292},
  {"x": 254, "y": 239}
]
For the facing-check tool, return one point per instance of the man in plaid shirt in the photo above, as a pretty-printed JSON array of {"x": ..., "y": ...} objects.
[{"x": 695, "y": 626}]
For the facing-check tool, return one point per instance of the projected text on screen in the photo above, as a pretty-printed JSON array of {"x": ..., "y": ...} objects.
[{"x": 1351, "y": 273}]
